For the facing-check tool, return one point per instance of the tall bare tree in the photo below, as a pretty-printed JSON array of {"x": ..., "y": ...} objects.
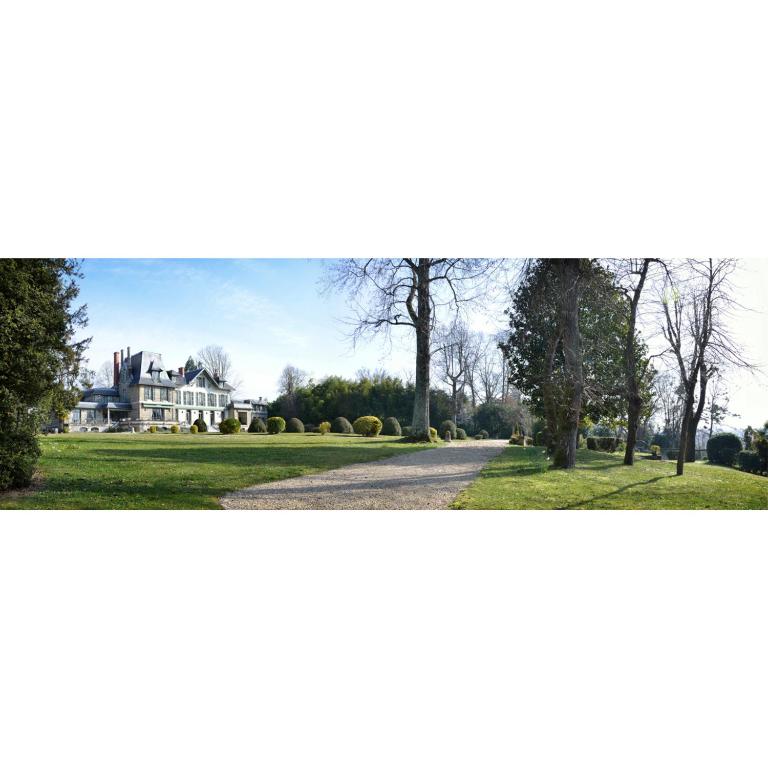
[
  {"x": 454, "y": 355},
  {"x": 409, "y": 292},
  {"x": 105, "y": 375},
  {"x": 632, "y": 275},
  {"x": 216, "y": 361},
  {"x": 291, "y": 378},
  {"x": 697, "y": 304}
]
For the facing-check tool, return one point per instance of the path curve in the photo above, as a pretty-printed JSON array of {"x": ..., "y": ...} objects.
[{"x": 420, "y": 480}]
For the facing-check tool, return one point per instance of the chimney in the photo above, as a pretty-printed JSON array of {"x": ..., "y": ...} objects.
[
  {"x": 128, "y": 352},
  {"x": 122, "y": 357},
  {"x": 116, "y": 365},
  {"x": 181, "y": 371}
]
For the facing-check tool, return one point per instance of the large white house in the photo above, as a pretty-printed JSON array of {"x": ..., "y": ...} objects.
[{"x": 145, "y": 393}]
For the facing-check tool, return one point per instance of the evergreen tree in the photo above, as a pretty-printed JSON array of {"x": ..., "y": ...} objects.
[{"x": 39, "y": 361}]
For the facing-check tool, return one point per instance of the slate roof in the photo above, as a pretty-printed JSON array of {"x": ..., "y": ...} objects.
[{"x": 190, "y": 376}]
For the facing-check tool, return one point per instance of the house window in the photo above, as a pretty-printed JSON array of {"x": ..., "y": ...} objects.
[
  {"x": 178, "y": 397},
  {"x": 75, "y": 417},
  {"x": 157, "y": 414},
  {"x": 189, "y": 398},
  {"x": 149, "y": 393},
  {"x": 200, "y": 398},
  {"x": 222, "y": 400},
  {"x": 242, "y": 417},
  {"x": 211, "y": 400},
  {"x": 213, "y": 417}
]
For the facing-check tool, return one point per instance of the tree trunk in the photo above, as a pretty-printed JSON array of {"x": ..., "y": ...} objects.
[
  {"x": 420, "y": 420},
  {"x": 568, "y": 425},
  {"x": 687, "y": 415},
  {"x": 548, "y": 397},
  {"x": 690, "y": 453},
  {"x": 634, "y": 401}
]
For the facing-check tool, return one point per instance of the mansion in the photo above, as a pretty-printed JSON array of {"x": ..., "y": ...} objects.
[{"x": 145, "y": 393}]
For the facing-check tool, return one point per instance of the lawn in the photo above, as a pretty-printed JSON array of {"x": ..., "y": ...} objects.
[
  {"x": 165, "y": 471},
  {"x": 519, "y": 478}
]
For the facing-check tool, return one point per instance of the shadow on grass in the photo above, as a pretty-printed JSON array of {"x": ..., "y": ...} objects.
[{"x": 617, "y": 492}]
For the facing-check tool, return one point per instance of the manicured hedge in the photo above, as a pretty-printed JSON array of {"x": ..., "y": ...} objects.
[
  {"x": 391, "y": 427},
  {"x": 230, "y": 427},
  {"x": 341, "y": 426},
  {"x": 257, "y": 427},
  {"x": 723, "y": 449},
  {"x": 749, "y": 461},
  {"x": 448, "y": 426},
  {"x": 294, "y": 426},
  {"x": 461, "y": 434},
  {"x": 201, "y": 425},
  {"x": 367, "y": 426},
  {"x": 193, "y": 429},
  {"x": 482, "y": 435},
  {"x": 324, "y": 427},
  {"x": 275, "y": 425},
  {"x": 607, "y": 444}
]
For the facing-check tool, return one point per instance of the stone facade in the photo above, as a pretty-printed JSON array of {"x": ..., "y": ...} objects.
[{"x": 145, "y": 394}]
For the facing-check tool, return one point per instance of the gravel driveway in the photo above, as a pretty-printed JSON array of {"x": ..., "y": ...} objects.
[{"x": 420, "y": 480}]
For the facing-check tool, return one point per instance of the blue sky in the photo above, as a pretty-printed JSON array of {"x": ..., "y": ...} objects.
[
  {"x": 270, "y": 312},
  {"x": 265, "y": 313}
]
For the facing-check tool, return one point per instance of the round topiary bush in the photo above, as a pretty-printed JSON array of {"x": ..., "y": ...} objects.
[
  {"x": 391, "y": 427},
  {"x": 407, "y": 431},
  {"x": 461, "y": 434},
  {"x": 448, "y": 426},
  {"x": 294, "y": 425},
  {"x": 201, "y": 425},
  {"x": 341, "y": 426},
  {"x": 723, "y": 448},
  {"x": 230, "y": 427},
  {"x": 175, "y": 429},
  {"x": 193, "y": 429},
  {"x": 324, "y": 427},
  {"x": 257, "y": 426},
  {"x": 275, "y": 425},
  {"x": 367, "y": 426},
  {"x": 153, "y": 429},
  {"x": 482, "y": 435}
]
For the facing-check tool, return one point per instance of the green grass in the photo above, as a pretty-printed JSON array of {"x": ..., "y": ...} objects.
[
  {"x": 164, "y": 471},
  {"x": 519, "y": 478}
]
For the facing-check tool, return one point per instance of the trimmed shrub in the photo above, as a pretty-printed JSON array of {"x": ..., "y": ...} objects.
[
  {"x": 230, "y": 427},
  {"x": 175, "y": 429},
  {"x": 723, "y": 449},
  {"x": 257, "y": 427},
  {"x": 749, "y": 461},
  {"x": 201, "y": 425},
  {"x": 367, "y": 426},
  {"x": 607, "y": 444},
  {"x": 294, "y": 425},
  {"x": 193, "y": 429},
  {"x": 760, "y": 444},
  {"x": 482, "y": 435},
  {"x": 341, "y": 426},
  {"x": 153, "y": 429},
  {"x": 19, "y": 452},
  {"x": 407, "y": 431},
  {"x": 461, "y": 434},
  {"x": 324, "y": 427},
  {"x": 391, "y": 427},
  {"x": 65, "y": 429},
  {"x": 656, "y": 451},
  {"x": 448, "y": 426},
  {"x": 275, "y": 425},
  {"x": 433, "y": 434}
]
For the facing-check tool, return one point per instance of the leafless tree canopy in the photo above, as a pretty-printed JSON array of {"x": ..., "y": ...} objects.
[
  {"x": 291, "y": 379},
  {"x": 104, "y": 375}
]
